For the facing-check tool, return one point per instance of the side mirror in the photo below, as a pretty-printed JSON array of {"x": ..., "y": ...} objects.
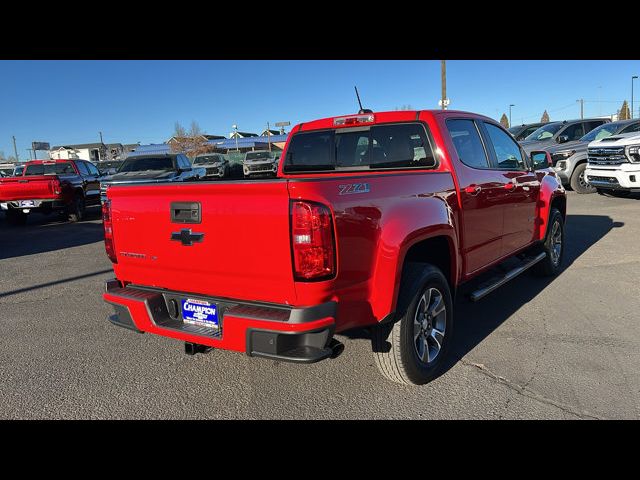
[
  {"x": 563, "y": 139},
  {"x": 540, "y": 160}
]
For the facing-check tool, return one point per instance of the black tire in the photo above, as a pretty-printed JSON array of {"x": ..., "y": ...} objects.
[
  {"x": 578, "y": 183},
  {"x": 396, "y": 346},
  {"x": 551, "y": 264},
  {"x": 16, "y": 218},
  {"x": 76, "y": 210}
]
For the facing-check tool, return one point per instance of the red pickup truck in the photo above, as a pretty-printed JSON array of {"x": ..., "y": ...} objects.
[
  {"x": 374, "y": 220},
  {"x": 45, "y": 186}
]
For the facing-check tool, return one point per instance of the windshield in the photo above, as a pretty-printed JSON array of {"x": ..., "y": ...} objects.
[
  {"x": 258, "y": 156},
  {"x": 146, "y": 163},
  {"x": 603, "y": 131},
  {"x": 545, "y": 132},
  {"x": 50, "y": 169},
  {"x": 515, "y": 130},
  {"x": 206, "y": 159}
]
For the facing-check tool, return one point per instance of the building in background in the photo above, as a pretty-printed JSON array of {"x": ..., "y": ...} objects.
[{"x": 94, "y": 152}]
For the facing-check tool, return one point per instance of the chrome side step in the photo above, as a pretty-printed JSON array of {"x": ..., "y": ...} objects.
[{"x": 511, "y": 274}]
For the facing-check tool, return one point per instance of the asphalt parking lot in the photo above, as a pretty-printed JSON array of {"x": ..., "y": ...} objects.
[{"x": 567, "y": 348}]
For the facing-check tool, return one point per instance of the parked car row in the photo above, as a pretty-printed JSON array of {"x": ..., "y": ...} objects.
[{"x": 567, "y": 143}]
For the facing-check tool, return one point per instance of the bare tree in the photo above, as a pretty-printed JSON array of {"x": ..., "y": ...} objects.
[
  {"x": 545, "y": 117},
  {"x": 191, "y": 143},
  {"x": 504, "y": 121}
]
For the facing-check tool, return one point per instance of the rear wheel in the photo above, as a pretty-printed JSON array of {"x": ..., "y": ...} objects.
[
  {"x": 411, "y": 351},
  {"x": 553, "y": 246},
  {"x": 578, "y": 182},
  {"x": 76, "y": 209}
]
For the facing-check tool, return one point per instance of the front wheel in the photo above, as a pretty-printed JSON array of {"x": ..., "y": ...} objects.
[
  {"x": 578, "y": 182},
  {"x": 553, "y": 246},
  {"x": 411, "y": 351}
]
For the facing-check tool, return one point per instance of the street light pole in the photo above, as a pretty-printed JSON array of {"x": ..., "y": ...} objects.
[
  {"x": 235, "y": 133},
  {"x": 632, "y": 79},
  {"x": 512, "y": 105}
]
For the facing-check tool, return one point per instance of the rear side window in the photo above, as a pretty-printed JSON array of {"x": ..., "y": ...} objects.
[
  {"x": 634, "y": 127},
  {"x": 377, "y": 147},
  {"x": 574, "y": 132},
  {"x": 466, "y": 140}
]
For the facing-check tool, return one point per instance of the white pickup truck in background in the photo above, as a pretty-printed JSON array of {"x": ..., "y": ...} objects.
[{"x": 614, "y": 164}]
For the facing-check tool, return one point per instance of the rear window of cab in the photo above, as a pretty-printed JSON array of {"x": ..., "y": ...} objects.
[{"x": 389, "y": 146}]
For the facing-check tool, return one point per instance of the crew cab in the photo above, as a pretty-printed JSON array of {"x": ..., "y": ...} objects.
[
  {"x": 46, "y": 186},
  {"x": 375, "y": 220},
  {"x": 614, "y": 164}
]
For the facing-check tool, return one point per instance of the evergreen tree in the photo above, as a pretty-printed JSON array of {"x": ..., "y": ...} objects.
[
  {"x": 545, "y": 117},
  {"x": 504, "y": 121},
  {"x": 625, "y": 114}
]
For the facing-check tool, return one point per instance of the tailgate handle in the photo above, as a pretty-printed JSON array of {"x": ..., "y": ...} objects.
[{"x": 185, "y": 212}]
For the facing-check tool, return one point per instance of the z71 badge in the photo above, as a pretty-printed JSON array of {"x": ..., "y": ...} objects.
[{"x": 353, "y": 188}]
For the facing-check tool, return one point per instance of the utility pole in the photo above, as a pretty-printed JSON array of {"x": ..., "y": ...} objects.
[
  {"x": 443, "y": 79},
  {"x": 581, "y": 108},
  {"x": 269, "y": 135},
  {"x": 15, "y": 150},
  {"x": 100, "y": 137},
  {"x": 510, "y": 124},
  {"x": 632, "y": 79}
]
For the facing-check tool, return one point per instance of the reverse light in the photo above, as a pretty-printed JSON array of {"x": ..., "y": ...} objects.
[
  {"x": 353, "y": 120},
  {"x": 312, "y": 241},
  {"x": 109, "y": 244}
]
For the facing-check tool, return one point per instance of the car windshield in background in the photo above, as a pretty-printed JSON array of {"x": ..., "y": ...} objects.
[
  {"x": 207, "y": 159},
  {"x": 147, "y": 163},
  {"x": 381, "y": 146},
  {"x": 515, "y": 130},
  {"x": 50, "y": 169},
  {"x": 544, "y": 132},
  {"x": 253, "y": 156},
  {"x": 603, "y": 131}
]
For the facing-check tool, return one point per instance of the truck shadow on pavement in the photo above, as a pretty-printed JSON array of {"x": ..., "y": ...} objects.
[
  {"x": 476, "y": 321},
  {"x": 48, "y": 233}
]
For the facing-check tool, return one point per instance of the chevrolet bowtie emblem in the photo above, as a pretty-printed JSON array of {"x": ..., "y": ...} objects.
[{"x": 186, "y": 237}]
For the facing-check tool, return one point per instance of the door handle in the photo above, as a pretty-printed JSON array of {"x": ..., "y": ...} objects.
[{"x": 473, "y": 190}]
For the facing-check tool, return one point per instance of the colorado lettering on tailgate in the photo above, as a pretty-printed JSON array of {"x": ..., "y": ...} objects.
[{"x": 287, "y": 262}]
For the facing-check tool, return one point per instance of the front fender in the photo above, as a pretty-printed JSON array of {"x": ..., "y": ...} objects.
[{"x": 550, "y": 189}]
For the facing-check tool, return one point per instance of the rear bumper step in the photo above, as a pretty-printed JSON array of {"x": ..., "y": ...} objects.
[{"x": 302, "y": 335}]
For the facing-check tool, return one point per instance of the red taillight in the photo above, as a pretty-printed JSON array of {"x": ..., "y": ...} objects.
[
  {"x": 312, "y": 241},
  {"x": 55, "y": 186},
  {"x": 108, "y": 231}
]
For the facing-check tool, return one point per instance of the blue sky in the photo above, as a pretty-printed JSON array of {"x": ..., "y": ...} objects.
[{"x": 66, "y": 102}]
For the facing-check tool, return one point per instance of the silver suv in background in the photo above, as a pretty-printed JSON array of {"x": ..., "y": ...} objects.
[
  {"x": 214, "y": 163},
  {"x": 260, "y": 162}
]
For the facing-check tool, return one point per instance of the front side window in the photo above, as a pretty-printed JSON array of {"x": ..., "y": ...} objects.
[
  {"x": 93, "y": 170},
  {"x": 508, "y": 154},
  {"x": 544, "y": 133},
  {"x": 466, "y": 140},
  {"x": 574, "y": 132}
]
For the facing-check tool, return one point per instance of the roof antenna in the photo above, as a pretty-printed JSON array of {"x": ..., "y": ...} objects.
[{"x": 362, "y": 110}]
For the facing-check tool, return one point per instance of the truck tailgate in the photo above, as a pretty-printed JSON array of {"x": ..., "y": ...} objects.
[
  {"x": 244, "y": 253},
  {"x": 27, "y": 188}
]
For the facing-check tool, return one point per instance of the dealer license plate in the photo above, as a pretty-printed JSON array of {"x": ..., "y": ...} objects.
[{"x": 200, "y": 312}]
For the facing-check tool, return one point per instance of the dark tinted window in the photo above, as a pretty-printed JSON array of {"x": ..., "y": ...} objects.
[
  {"x": 507, "y": 151},
  {"x": 634, "y": 127},
  {"x": 381, "y": 146},
  {"x": 310, "y": 151},
  {"x": 82, "y": 168},
  {"x": 134, "y": 164},
  {"x": 467, "y": 141},
  {"x": 184, "y": 162},
  {"x": 591, "y": 125},
  {"x": 93, "y": 170},
  {"x": 574, "y": 132},
  {"x": 50, "y": 169},
  {"x": 527, "y": 131}
]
